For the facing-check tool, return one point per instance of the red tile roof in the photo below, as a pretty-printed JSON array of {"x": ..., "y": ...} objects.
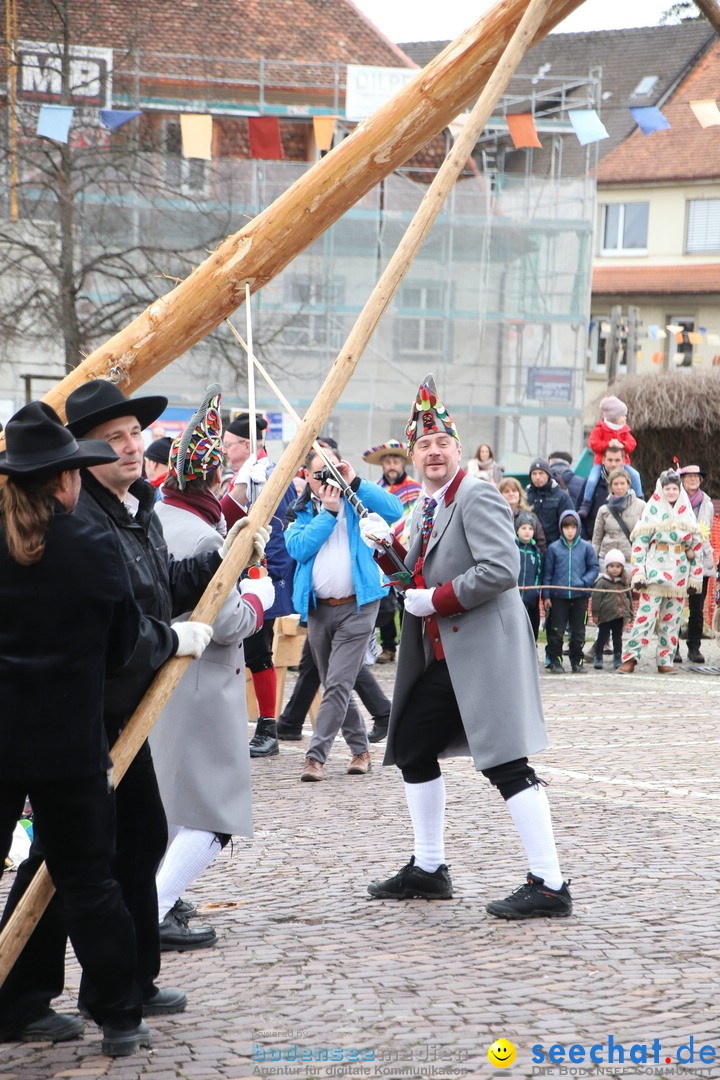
[
  {"x": 685, "y": 151},
  {"x": 297, "y": 30},
  {"x": 656, "y": 280}
]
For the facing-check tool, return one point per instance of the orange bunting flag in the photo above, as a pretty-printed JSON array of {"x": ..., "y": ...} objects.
[
  {"x": 658, "y": 357},
  {"x": 324, "y": 130},
  {"x": 706, "y": 112},
  {"x": 522, "y": 130}
]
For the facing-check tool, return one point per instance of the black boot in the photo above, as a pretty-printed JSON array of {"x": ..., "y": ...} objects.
[
  {"x": 264, "y": 742},
  {"x": 694, "y": 654},
  {"x": 380, "y": 729}
]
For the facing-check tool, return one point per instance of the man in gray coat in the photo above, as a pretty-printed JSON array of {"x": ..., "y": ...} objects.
[{"x": 467, "y": 678}]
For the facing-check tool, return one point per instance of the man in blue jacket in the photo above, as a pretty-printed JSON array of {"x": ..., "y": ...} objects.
[
  {"x": 571, "y": 566},
  {"x": 337, "y": 591}
]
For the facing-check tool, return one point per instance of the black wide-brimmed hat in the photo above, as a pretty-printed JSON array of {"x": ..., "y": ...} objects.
[
  {"x": 99, "y": 400},
  {"x": 38, "y": 445}
]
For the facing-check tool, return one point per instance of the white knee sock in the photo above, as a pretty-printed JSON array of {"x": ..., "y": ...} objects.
[
  {"x": 190, "y": 852},
  {"x": 530, "y": 811},
  {"x": 426, "y": 803}
]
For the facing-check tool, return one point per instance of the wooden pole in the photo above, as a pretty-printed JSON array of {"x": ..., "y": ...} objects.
[
  {"x": 258, "y": 252},
  {"x": 36, "y": 897}
]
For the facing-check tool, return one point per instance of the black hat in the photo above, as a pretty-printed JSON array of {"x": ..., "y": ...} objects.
[
  {"x": 159, "y": 450},
  {"x": 99, "y": 400},
  {"x": 540, "y": 463},
  {"x": 39, "y": 445},
  {"x": 240, "y": 426}
]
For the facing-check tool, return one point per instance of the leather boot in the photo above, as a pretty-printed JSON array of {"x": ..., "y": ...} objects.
[{"x": 264, "y": 742}]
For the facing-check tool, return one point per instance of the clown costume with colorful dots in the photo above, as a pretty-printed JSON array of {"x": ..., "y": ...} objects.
[{"x": 666, "y": 565}]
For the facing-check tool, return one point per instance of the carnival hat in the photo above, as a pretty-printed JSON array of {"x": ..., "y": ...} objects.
[
  {"x": 99, "y": 400},
  {"x": 693, "y": 469},
  {"x": 375, "y": 454},
  {"x": 159, "y": 450},
  {"x": 429, "y": 415},
  {"x": 38, "y": 445},
  {"x": 198, "y": 452},
  {"x": 240, "y": 426}
]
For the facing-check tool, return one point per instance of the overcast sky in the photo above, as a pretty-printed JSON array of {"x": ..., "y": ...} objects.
[{"x": 425, "y": 20}]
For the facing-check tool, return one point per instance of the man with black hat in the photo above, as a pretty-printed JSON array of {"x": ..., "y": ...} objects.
[
  {"x": 252, "y": 471},
  {"x": 115, "y": 497},
  {"x": 156, "y": 462},
  {"x": 467, "y": 679},
  {"x": 53, "y": 745}
]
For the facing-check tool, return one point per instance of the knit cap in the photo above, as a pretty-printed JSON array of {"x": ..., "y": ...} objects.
[
  {"x": 612, "y": 408},
  {"x": 614, "y": 555},
  {"x": 541, "y": 463},
  {"x": 524, "y": 518}
]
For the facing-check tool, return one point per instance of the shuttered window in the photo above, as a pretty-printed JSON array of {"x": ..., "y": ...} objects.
[{"x": 703, "y": 226}]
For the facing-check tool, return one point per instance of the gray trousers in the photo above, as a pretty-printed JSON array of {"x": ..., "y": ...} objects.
[{"x": 338, "y": 638}]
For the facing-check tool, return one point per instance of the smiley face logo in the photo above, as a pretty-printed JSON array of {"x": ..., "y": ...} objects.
[{"x": 501, "y": 1054}]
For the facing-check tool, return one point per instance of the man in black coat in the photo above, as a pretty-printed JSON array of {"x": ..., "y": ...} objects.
[
  {"x": 547, "y": 498},
  {"x": 116, "y": 497},
  {"x": 66, "y": 612}
]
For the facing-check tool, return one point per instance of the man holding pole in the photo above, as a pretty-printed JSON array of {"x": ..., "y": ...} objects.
[
  {"x": 467, "y": 671},
  {"x": 116, "y": 498},
  {"x": 66, "y": 612}
]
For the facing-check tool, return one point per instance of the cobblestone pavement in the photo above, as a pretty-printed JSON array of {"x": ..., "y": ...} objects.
[{"x": 306, "y": 962}]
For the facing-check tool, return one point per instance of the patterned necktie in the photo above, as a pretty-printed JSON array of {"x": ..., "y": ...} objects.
[{"x": 428, "y": 518}]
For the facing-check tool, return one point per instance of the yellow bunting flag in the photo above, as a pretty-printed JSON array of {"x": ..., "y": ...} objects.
[
  {"x": 324, "y": 130},
  {"x": 196, "y": 132}
]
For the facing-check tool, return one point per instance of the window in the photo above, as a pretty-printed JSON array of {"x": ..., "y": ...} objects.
[
  {"x": 624, "y": 228},
  {"x": 420, "y": 323},
  {"x": 600, "y": 345},
  {"x": 703, "y": 226},
  {"x": 646, "y": 86},
  {"x": 312, "y": 325},
  {"x": 680, "y": 347}
]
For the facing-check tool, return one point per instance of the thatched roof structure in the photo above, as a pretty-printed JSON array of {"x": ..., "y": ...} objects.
[{"x": 674, "y": 415}]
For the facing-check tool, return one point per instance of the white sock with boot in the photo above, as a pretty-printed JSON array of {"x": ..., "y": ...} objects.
[
  {"x": 426, "y": 803},
  {"x": 530, "y": 810},
  {"x": 191, "y": 852}
]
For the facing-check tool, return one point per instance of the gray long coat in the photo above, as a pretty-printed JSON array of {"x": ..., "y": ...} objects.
[
  {"x": 200, "y": 741},
  {"x": 489, "y": 648}
]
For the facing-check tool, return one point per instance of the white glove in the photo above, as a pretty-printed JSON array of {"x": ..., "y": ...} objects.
[
  {"x": 419, "y": 602},
  {"x": 193, "y": 638},
  {"x": 373, "y": 529},
  {"x": 260, "y": 539},
  {"x": 253, "y": 470},
  {"x": 261, "y": 587}
]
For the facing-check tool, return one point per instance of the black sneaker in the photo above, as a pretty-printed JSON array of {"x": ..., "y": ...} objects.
[
  {"x": 598, "y": 663},
  {"x": 379, "y": 729},
  {"x": 556, "y": 668},
  {"x": 289, "y": 732},
  {"x": 411, "y": 881},
  {"x": 534, "y": 900},
  {"x": 176, "y": 935},
  {"x": 579, "y": 668}
]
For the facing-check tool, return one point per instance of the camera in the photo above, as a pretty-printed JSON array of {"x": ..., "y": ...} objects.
[{"x": 324, "y": 476}]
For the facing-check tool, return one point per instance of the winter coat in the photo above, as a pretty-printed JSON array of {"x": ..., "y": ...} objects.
[
  {"x": 549, "y": 502},
  {"x": 565, "y": 476},
  {"x": 607, "y": 532},
  {"x": 200, "y": 741},
  {"x": 661, "y": 541},
  {"x": 530, "y": 572},
  {"x": 613, "y": 601},
  {"x": 602, "y": 435},
  {"x": 162, "y": 586},
  {"x": 489, "y": 645},
  {"x": 308, "y": 532},
  {"x": 62, "y": 620},
  {"x": 573, "y": 565}
]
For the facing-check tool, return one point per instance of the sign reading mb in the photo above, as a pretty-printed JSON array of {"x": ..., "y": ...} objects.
[{"x": 40, "y": 75}]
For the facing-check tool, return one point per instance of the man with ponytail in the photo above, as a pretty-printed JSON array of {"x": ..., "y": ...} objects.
[{"x": 66, "y": 613}]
